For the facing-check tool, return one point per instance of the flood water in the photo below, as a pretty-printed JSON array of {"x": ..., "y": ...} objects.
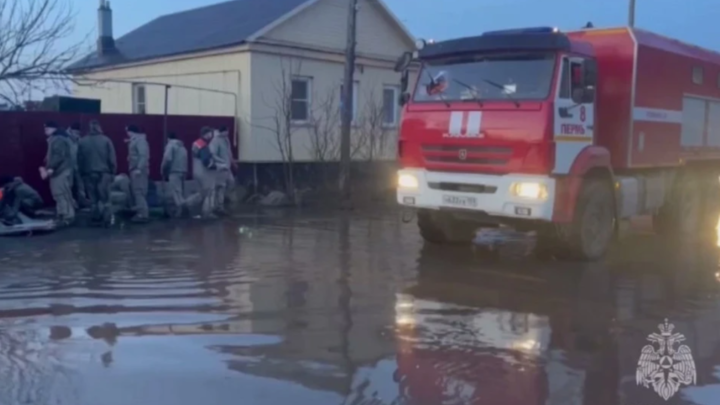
[{"x": 332, "y": 308}]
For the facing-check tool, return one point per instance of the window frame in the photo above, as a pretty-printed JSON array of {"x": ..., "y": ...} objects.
[
  {"x": 308, "y": 100},
  {"x": 565, "y": 84},
  {"x": 396, "y": 110},
  {"x": 139, "y": 107},
  {"x": 356, "y": 90}
]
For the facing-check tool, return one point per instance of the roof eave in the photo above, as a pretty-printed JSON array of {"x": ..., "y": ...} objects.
[{"x": 154, "y": 59}]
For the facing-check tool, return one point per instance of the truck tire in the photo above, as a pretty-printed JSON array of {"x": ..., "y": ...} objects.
[
  {"x": 548, "y": 245},
  {"x": 593, "y": 228},
  {"x": 681, "y": 215},
  {"x": 429, "y": 228},
  {"x": 662, "y": 222},
  {"x": 440, "y": 228},
  {"x": 710, "y": 205},
  {"x": 688, "y": 213}
]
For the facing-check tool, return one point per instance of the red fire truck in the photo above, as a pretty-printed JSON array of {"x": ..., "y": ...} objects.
[{"x": 569, "y": 135}]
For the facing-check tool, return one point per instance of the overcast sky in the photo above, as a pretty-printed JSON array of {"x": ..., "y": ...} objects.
[{"x": 694, "y": 21}]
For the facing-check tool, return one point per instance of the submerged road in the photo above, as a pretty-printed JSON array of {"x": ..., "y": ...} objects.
[{"x": 332, "y": 308}]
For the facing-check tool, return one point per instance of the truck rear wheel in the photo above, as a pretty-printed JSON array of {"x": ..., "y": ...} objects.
[
  {"x": 710, "y": 204},
  {"x": 689, "y": 207},
  {"x": 441, "y": 228},
  {"x": 593, "y": 228},
  {"x": 682, "y": 214}
]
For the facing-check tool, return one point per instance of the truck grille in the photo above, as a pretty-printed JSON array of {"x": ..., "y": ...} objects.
[{"x": 467, "y": 155}]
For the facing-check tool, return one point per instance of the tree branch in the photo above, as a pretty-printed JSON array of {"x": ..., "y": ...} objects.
[{"x": 32, "y": 46}]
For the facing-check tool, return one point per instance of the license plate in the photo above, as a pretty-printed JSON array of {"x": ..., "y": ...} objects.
[{"x": 457, "y": 201}]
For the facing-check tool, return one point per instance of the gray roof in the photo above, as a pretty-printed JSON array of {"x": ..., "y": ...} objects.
[{"x": 210, "y": 27}]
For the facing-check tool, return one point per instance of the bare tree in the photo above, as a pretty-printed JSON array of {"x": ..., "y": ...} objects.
[
  {"x": 358, "y": 138},
  {"x": 324, "y": 132},
  {"x": 374, "y": 129},
  {"x": 33, "y": 47},
  {"x": 280, "y": 120},
  {"x": 324, "y": 128},
  {"x": 370, "y": 134}
]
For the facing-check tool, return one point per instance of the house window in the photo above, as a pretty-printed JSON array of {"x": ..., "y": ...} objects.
[
  {"x": 697, "y": 75},
  {"x": 139, "y": 105},
  {"x": 354, "y": 99},
  {"x": 300, "y": 99},
  {"x": 390, "y": 106}
]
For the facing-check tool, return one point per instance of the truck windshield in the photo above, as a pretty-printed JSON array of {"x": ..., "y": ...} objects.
[{"x": 486, "y": 77}]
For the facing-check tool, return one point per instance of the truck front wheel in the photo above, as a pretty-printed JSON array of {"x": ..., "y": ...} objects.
[
  {"x": 591, "y": 233},
  {"x": 441, "y": 228}
]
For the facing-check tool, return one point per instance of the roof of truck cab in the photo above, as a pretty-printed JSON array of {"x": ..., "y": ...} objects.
[
  {"x": 657, "y": 41},
  {"x": 505, "y": 42}
]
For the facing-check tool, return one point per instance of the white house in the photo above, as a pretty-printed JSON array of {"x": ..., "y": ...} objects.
[{"x": 260, "y": 61}]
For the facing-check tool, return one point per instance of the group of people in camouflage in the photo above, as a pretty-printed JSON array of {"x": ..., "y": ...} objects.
[{"x": 82, "y": 171}]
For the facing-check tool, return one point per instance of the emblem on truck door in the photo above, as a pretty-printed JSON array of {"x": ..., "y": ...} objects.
[{"x": 462, "y": 154}]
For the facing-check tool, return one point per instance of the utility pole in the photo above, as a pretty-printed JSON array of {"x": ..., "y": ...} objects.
[
  {"x": 631, "y": 14},
  {"x": 347, "y": 98}
]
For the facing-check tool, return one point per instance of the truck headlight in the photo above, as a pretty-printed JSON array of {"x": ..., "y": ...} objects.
[
  {"x": 530, "y": 190},
  {"x": 407, "y": 181}
]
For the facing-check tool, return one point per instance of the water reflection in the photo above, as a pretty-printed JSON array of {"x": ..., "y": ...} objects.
[
  {"x": 567, "y": 334},
  {"x": 322, "y": 308}
]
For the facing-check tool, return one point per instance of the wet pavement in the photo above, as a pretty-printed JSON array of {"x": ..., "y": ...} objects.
[{"x": 331, "y": 308}]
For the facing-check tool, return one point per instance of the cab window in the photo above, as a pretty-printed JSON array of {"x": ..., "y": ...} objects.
[
  {"x": 576, "y": 75},
  {"x": 571, "y": 79},
  {"x": 574, "y": 82}
]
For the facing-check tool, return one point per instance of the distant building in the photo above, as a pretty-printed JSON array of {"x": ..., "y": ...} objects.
[{"x": 237, "y": 58}]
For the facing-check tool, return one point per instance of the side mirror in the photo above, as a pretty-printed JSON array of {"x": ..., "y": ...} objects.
[
  {"x": 578, "y": 95},
  {"x": 403, "y": 62},
  {"x": 590, "y": 72},
  {"x": 403, "y": 99},
  {"x": 584, "y": 95},
  {"x": 589, "y": 94},
  {"x": 404, "y": 81}
]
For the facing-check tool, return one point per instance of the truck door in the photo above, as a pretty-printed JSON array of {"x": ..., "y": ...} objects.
[{"x": 574, "y": 116}]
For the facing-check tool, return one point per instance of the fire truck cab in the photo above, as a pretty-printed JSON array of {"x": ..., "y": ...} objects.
[{"x": 536, "y": 130}]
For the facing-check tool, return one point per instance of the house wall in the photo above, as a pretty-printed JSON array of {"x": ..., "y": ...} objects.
[
  {"x": 224, "y": 72},
  {"x": 326, "y": 79},
  {"x": 323, "y": 26}
]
